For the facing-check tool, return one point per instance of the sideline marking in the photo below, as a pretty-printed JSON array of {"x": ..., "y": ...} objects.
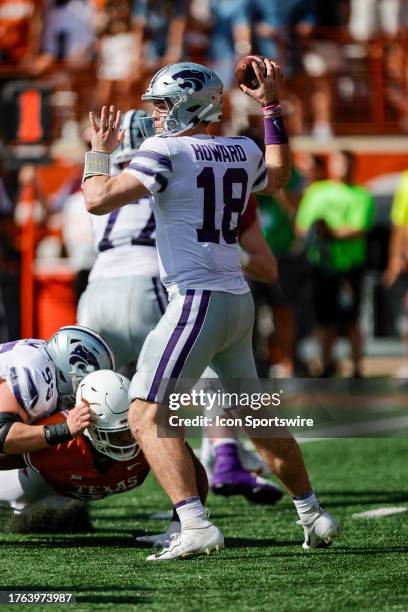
[{"x": 380, "y": 512}]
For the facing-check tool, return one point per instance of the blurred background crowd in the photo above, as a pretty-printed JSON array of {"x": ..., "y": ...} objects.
[{"x": 339, "y": 228}]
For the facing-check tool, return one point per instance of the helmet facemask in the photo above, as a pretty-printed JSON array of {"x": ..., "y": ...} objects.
[
  {"x": 116, "y": 443},
  {"x": 137, "y": 126},
  {"x": 106, "y": 392}
]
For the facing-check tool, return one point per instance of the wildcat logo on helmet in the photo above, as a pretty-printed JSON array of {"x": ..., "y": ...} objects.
[
  {"x": 81, "y": 356},
  {"x": 191, "y": 79}
]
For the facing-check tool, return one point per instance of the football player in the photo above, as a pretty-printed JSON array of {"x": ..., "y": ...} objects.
[
  {"x": 127, "y": 266},
  {"x": 37, "y": 378},
  {"x": 104, "y": 460},
  {"x": 200, "y": 186}
]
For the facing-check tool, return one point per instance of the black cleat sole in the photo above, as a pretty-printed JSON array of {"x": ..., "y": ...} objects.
[{"x": 254, "y": 495}]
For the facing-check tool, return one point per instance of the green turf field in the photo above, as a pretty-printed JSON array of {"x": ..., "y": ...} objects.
[{"x": 263, "y": 566}]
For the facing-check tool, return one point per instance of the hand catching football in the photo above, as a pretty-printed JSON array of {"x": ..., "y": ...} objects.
[{"x": 260, "y": 78}]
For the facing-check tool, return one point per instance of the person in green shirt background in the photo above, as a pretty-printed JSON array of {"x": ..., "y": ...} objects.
[
  {"x": 398, "y": 247},
  {"x": 334, "y": 217},
  {"x": 397, "y": 264}
]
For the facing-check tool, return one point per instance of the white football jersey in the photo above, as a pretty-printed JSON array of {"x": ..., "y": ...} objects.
[
  {"x": 125, "y": 241},
  {"x": 30, "y": 374},
  {"x": 200, "y": 186}
]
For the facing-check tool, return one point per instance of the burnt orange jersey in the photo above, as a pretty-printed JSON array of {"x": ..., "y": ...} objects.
[{"x": 70, "y": 468}]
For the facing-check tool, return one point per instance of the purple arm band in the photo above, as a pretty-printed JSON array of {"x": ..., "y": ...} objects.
[{"x": 275, "y": 131}]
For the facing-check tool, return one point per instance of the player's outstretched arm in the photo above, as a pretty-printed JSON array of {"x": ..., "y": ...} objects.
[
  {"x": 17, "y": 436},
  {"x": 277, "y": 152},
  {"x": 102, "y": 192}
]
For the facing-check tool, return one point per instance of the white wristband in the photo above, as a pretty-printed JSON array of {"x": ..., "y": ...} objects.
[{"x": 96, "y": 163}]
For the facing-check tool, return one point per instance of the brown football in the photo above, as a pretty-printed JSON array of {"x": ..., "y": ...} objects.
[{"x": 244, "y": 72}]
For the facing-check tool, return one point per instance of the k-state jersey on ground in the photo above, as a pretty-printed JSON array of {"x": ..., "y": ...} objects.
[
  {"x": 30, "y": 375},
  {"x": 125, "y": 241},
  {"x": 70, "y": 468},
  {"x": 201, "y": 185}
]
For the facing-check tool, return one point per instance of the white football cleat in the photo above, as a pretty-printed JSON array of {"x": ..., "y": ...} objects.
[
  {"x": 160, "y": 540},
  {"x": 191, "y": 542},
  {"x": 321, "y": 532}
]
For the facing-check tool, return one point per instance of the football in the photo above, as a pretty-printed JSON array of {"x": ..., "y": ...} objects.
[{"x": 244, "y": 72}]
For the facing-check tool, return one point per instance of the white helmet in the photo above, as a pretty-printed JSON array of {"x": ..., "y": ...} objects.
[
  {"x": 76, "y": 351},
  {"x": 107, "y": 394},
  {"x": 137, "y": 126},
  {"x": 191, "y": 92}
]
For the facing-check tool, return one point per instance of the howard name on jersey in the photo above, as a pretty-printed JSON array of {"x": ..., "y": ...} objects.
[
  {"x": 200, "y": 186},
  {"x": 30, "y": 375},
  {"x": 70, "y": 468}
]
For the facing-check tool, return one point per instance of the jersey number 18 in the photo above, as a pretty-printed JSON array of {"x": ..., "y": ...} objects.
[{"x": 232, "y": 204}]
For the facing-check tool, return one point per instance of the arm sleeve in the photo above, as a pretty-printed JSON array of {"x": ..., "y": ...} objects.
[
  {"x": 152, "y": 165},
  {"x": 25, "y": 385},
  {"x": 261, "y": 177}
]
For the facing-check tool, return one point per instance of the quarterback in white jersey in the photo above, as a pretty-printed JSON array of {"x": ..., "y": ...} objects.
[
  {"x": 37, "y": 378},
  {"x": 130, "y": 305},
  {"x": 210, "y": 315}
]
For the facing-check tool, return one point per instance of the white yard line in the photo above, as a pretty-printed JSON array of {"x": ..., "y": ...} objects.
[{"x": 380, "y": 512}]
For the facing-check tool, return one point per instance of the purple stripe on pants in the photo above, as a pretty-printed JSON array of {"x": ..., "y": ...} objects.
[
  {"x": 171, "y": 345},
  {"x": 202, "y": 310}
]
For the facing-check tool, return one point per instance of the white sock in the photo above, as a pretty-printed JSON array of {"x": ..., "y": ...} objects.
[
  {"x": 307, "y": 506},
  {"x": 225, "y": 441},
  {"x": 191, "y": 512}
]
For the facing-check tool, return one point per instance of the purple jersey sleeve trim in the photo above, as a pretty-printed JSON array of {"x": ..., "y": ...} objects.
[
  {"x": 158, "y": 177},
  {"x": 162, "y": 159},
  {"x": 260, "y": 179},
  {"x": 16, "y": 388}
]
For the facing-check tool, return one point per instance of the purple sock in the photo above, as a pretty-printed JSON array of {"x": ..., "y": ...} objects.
[
  {"x": 230, "y": 477},
  {"x": 227, "y": 458}
]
